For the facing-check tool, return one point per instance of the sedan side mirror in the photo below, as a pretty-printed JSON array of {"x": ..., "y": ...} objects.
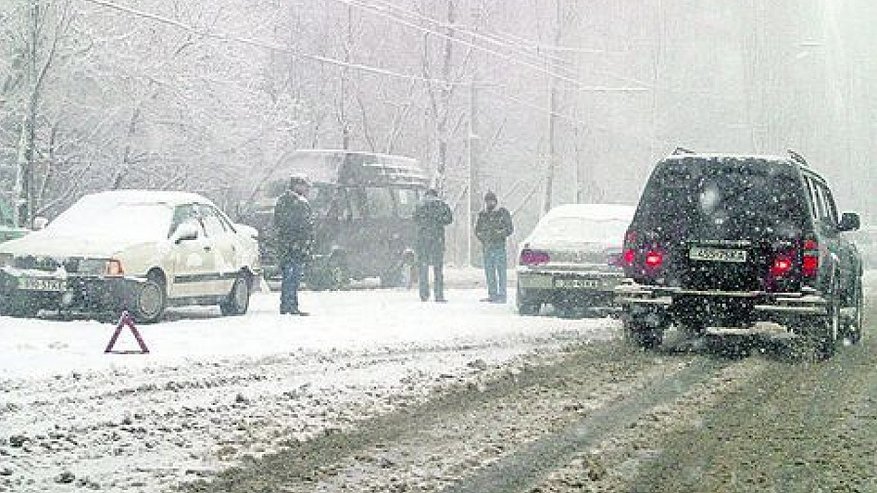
[
  {"x": 40, "y": 222},
  {"x": 249, "y": 231},
  {"x": 849, "y": 221},
  {"x": 185, "y": 232}
]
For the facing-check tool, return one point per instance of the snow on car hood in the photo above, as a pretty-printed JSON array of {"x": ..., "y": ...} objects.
[{"x": 45, "y": 244}]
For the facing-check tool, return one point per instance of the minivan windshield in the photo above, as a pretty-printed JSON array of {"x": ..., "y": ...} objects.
[{"x": 728, "y": 200}]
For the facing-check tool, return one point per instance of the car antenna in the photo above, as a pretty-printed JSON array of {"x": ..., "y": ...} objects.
[
  {"x": 682, "y": 150},
  {"x": 798, "y": 158}
]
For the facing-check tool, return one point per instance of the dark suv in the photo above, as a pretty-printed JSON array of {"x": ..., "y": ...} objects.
[{"x": 725, "y": 241}]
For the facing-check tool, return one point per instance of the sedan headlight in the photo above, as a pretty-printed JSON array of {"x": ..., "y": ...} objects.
[
  {"x": 93, "y": 267},
  {"x": 101, "y": 267}
]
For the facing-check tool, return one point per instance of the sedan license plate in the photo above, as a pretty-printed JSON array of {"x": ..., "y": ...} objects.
[
  {"x": 576, "y": 283},
  {"x": 717, "y": 254},
  {"x": 37, "y": 284}
]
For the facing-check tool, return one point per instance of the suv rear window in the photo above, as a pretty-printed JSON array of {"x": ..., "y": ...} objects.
[{"x": 723, "y": 199}]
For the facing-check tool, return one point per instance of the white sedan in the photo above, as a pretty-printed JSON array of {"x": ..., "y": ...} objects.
[
  {"x": 131, "y": 250},
  {"x": 571, "y": 260}
]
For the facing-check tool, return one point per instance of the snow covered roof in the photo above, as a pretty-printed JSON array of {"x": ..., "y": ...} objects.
[
  {"x": 736, "y": 157},
  {"x": 146, "y": 196},
  {"x": 599, "y": 212}
]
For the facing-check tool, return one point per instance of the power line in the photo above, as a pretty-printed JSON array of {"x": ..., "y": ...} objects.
[
  {"x": 315, "y": 58},
  {"x": 574, "y": 121},
  {"x": 509, "y": 58},
  {"x": 516, "y": 43},
  {"x": 473, "y": 33},
  {"x": 269, "y": 46}
]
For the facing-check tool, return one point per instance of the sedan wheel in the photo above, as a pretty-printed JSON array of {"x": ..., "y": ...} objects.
[
  {"x": 149, "y": 302},
  {"x": 239, "y": 299}
]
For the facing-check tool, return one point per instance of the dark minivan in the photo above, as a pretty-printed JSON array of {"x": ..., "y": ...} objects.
[
  {"x": 722, "y": 242},
  {"x": 364, "y": 206}
]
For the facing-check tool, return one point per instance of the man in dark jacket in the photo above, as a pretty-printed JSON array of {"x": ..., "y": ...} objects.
[
  {"x": 431, "y": 216},
  {"x": 294, "y": 235},
  {"x": 492, "y": 228}
]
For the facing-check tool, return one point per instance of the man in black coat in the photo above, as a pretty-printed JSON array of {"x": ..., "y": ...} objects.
[
  {"x": 431, "y": 215},
  {"x": 294, "y": 236},
  {"x": 493, "y": 227}
]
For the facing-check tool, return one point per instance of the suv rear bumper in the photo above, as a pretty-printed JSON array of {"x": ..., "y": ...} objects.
[{"x": 777, "y": 307}]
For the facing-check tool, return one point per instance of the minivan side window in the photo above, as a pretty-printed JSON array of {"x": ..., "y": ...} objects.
[{"x": 406, "y": 202}]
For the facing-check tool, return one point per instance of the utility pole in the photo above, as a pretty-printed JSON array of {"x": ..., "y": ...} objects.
[
  {"x": 345, "y": 79},
  {"x": 474, "y": 199},
  {"x": 473, "y": 138},
  {"x": 552, "y": 119}
]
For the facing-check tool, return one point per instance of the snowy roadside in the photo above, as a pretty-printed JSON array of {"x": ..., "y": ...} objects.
[{"x": 215, "y": 390}]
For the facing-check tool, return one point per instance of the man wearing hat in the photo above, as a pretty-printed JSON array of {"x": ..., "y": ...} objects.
[
  {"x": 492, "y": 228},
  {"x": 294, "y": 234},
  {"x": 431, "y": 215}
]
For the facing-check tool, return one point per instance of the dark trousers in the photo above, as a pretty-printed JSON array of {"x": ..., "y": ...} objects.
[
  {"x": 423, "y": 280},
  {"x": 292, "y": 272},
  {"x": 495, "y": 271}
]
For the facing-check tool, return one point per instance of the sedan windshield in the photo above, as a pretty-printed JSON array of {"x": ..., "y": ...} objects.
[{"x": 142, "y": 222}]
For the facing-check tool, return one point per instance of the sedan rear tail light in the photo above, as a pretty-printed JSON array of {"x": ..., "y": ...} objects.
[
  {"x": 534, "y": 257},
  {"x": 628, "y": 257}
]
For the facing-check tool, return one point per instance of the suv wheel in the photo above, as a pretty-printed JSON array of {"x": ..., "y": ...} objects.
[
  {"x": 822, "y": 332},
  {"x": 238, "y": 300},
  {"x": 641, "y": 334},
  {"x": 853, "y": 327}
]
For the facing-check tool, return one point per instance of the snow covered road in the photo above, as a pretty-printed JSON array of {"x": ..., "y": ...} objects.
[{"x": 216, "y": 390}]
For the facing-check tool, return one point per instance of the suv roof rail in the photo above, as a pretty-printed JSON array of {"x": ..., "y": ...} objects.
[
  {"x": 682, "y": 150},
  {"x": 798, "y": 158}
]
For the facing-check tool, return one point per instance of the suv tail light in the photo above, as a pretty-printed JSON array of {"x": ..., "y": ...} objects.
[
  {"x": 534, "y": 257},
  {"x": 782, "y": 266},
  {"x": 654, "y": 259},
  {"x": 809, "y": 259}
]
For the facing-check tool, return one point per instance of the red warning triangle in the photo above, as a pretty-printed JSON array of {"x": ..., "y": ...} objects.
[{"x": 126, "y": 320}]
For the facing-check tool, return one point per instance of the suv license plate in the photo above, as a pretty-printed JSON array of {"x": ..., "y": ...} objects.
[
  {"x": 37, "y": 284},
  {"x": 717, "y": 254},
  {"x": 576, "y": 283}
]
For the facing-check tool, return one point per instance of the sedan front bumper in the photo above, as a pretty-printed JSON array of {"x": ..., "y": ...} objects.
[{"x": 41, "y": 290}]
